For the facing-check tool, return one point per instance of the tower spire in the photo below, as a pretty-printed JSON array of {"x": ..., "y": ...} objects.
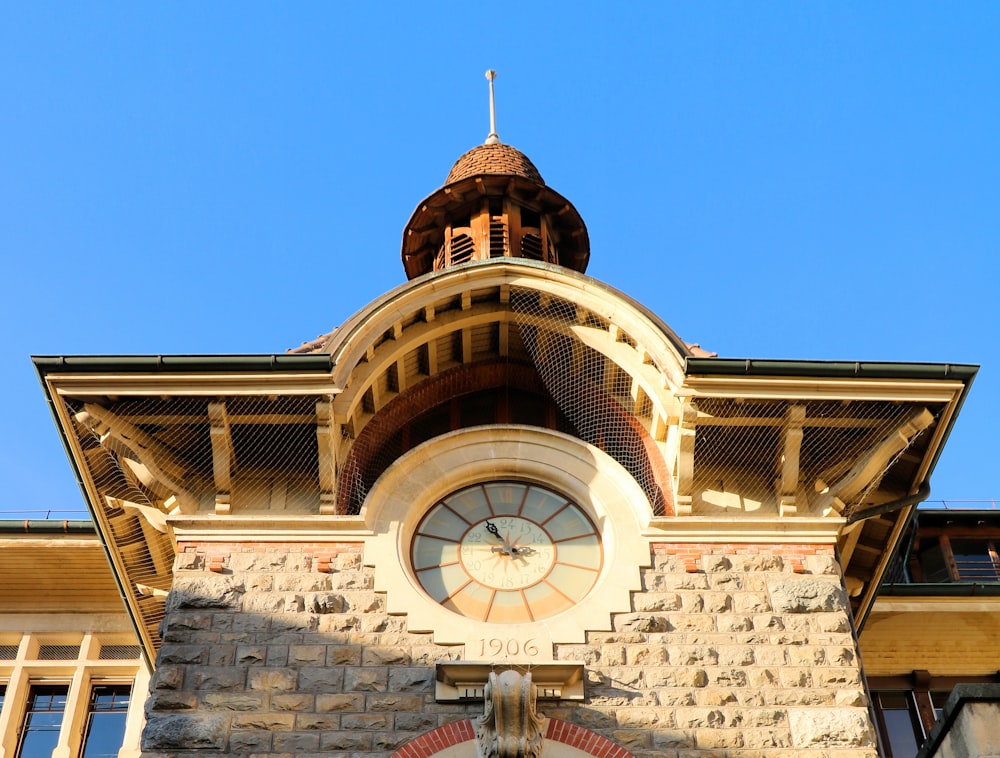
[{"x": 493, "y": 138}]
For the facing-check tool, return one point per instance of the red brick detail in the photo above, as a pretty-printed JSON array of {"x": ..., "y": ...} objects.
[
  {"x": 691, "y": 552},
  {"x": 217, "y": 553},
  {"x": 457, "y": 732}
]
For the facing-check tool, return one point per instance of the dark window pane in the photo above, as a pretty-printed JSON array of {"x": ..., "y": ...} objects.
[
  {"x": 900, "y": 727},
  {"x": 973, "y": 561},
  {"x": 106, "y": 720},
  {"x": 42, "y": 721}
]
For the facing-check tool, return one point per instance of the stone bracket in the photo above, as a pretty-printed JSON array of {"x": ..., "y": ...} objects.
[{"x": 466, "y": 680}]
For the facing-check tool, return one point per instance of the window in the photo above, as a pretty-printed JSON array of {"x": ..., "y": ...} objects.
[
  {"x": 906, "y": 707},
  {"x": 898, "y": 723},
  {"x": 106, "y": 718},
  {"x": 40, "y": 732},
  {"x": 947, "y": 558}
]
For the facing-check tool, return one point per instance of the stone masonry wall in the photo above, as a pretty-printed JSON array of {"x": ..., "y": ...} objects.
[{"x": 277, "y": 650}]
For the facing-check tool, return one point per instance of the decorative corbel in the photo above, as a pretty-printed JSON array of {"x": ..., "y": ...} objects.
[{"x": 510, "y": 727}]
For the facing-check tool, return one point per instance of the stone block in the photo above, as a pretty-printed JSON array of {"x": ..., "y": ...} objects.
[
  {"x": 734, "y": 623},
  {"x": 317, "y": 721},
  {"x": 243, "y": 562},
  {"x": 183, "y": 654},
  {"x": 296, "y": 742},
  {"x": 729, "y": 677},
  {"x": 830, "y": 727},
  {"x": 770, "y": 737},
  {"x": 807, "y": 595},
  {"x": 251, "y": 655},
  {"x": 185, "y": 732},
  {"x": 358, "y": 679},
  {"x": 346, "y": 742},
  {"x": 329, "y": 703},
  {"x": 392, "y": 702},
  {"x": 675, "y": 677},
  {"x": 363, "y": 602},
  {"x": 384, "y": 656},
  {"x": 270, "y": 721},
  {"x": 736, "y": 655},
  {"x": 231, "y": 701},
  {"x": 277, "y": 655},
  {"x": 338, "y": 622},
  {"x": 751, "y": 602},
  {"x": 189, "y": 562},
  {"x": 690, "y": 622},
  {"x": 713, "y": 696},
  {"x": 690, "y": 718},
  {"x": 273, "y": 679},
  {"x": 646, "y": 655},
  {"x": 718, "y": 738},
  {"x": 324, "y": 602},
  {"x": 294, "y": 622},
  {"x": 205, "y": 591},
  {"x": 308, "y": 655},
  {"x": 250, "y": 741},
  {"x": 718, "y": 602},
  {"x": 296, "y": 702},
  {"x": 366, "y": 721},
  {"x": 169, "y": 700},
  {"x": 265, "y": 603},
  {"x": 167, "y": 677},
  {"x": 832, "y": 622},
  {"x": 343, "y": 655},
  {"x": 692, "y": 602},
  {"x": 216, "y": 678},
  {"x": 221, "y": 655},
  {"x": 411, "y": 680},
  {"x": 656, "y": 601},
  {"x": 303, "y": 582},
  {"x": 415, "y": 722},
  {"x": 670, "y": 698},
  {"x": 693, "y": 655},
  {"x": 321, "y": 679}
]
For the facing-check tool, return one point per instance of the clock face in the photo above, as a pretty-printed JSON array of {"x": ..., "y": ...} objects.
[{"x": 506, "y": 552}]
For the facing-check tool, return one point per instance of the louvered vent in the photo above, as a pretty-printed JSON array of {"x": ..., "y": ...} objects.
[
  {"x": 119, "y": 652},
  {"x": 58, "y": 652},
  {"x": 462, "y": 248},
  {"x": 531, "y": 247},
  {"x": 498, "y": 237}
]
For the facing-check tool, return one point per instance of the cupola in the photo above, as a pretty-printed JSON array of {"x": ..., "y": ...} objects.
[{"x": 494, "y": 204}]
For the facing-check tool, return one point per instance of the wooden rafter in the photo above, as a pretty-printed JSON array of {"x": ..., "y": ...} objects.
[
  {"x": 871, "y": 466},
  {"x": 159, "y": 467}
]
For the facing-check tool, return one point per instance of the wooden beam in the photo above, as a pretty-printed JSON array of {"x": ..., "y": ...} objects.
[
  {"x": 223, "y": 456},
  {"x": 685, "y": 457},
  {"x": 788, "y": 482},
  {"x": 327, "y": 433}
]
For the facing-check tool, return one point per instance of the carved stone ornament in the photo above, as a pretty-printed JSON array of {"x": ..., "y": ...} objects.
[{"x": 510, "y": 727}]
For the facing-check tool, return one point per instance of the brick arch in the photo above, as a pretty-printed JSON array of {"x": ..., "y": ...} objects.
[{"x": 458, "y": 732}]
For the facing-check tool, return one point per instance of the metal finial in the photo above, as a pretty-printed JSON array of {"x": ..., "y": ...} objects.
[{"x": 493, "y": 138}]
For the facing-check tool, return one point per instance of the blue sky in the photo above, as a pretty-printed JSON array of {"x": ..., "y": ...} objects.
[{"x": 776, "y": 180}]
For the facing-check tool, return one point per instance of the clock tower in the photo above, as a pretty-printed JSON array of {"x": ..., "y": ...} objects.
[{"x": 502, "y": 510}]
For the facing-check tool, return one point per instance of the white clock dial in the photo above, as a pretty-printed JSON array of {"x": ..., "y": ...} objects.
[{"x": 506, "y": 552}]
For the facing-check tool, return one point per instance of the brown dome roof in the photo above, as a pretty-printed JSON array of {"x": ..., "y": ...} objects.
[{"x": 496, "y": 159}]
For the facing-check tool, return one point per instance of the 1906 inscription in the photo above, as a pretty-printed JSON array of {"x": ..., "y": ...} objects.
[{"x": 508, "y": 647}]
